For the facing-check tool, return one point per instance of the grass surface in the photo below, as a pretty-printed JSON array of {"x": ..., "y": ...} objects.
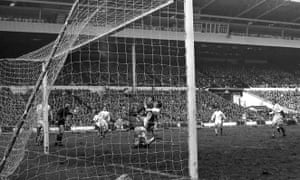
[{"x": 242, "y": 153}]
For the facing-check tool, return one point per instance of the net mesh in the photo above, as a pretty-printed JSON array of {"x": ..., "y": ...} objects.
[{"x": 118, "y": 54}]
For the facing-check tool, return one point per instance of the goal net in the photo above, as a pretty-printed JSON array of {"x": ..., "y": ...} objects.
[{"x": 127, "y": 56}]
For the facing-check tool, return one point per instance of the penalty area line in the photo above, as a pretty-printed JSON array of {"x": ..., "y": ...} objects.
[{"x": 148, "y": 171}]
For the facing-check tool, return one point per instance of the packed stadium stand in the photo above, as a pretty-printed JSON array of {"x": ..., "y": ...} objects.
[
  {"x": 209, "y": 75},
  {"x": 87, "y": 103},
  {"x": 226, "y": 74},
  {"x": 240, "y": 45},
  {"x": 100, "y": 69},
  {"x": 289, "y": 99}
]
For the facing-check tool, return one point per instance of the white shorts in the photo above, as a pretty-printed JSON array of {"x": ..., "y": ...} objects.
[
  {"x": 218, "y": 124},
  {"x": 40, "y": 124},
  {"x": 102, "y": 124},
  {"x": 139, "y": 129},
  {"x": 277, "y": 122}
]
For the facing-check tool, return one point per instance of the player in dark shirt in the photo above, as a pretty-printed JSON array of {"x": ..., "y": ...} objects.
[
  {"x": 140, "y": 132},
  {"x": 145, "y": 121},
  {"x": 63, "y": 115},
  {"x": 152, "y": 109}
]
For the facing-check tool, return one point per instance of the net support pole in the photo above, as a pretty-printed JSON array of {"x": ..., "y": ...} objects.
[
  {"x": 133, "y": 68},
  {"x": 35, "y": 90},
  {"x": 45, "y": 112},
  {"x": 191, "y": 89}
]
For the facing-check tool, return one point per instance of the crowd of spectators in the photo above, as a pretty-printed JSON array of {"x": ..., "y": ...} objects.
[
  {"x": 207, "y": 100},
  {"x": 289, "y": 99},
  {"x": 156, "y": 65},
  {"x": 208, "y": 75},
  {"x": 22, "y": 19},
  {"x": 220, "y": 75},
  {"x": 86, "y": 103},
  {"x": 204, "y": 27},
  {"x": 12, "y": 107},
  {"x": 224, "y": 74},
  {"x": 119, "y": 103},
  {"x": 19, "y": 73}
]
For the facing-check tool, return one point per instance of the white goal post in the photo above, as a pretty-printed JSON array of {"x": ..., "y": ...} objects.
[
  {"x": 45, "y": 108},
  {"x": 191, "y": 89}
]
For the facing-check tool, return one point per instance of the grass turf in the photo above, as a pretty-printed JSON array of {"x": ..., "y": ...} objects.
[{"x": 242, "y": 153}]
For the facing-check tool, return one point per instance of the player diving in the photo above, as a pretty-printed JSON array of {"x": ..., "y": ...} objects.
[{"x": 146, "y": 120}]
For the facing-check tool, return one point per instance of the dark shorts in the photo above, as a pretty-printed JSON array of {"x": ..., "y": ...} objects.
[
  {"x": 59, "y": 123},
  {"x": 150, "y": 126}
]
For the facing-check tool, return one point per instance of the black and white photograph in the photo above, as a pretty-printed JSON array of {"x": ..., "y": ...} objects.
[{"x": 149, "y": 89}]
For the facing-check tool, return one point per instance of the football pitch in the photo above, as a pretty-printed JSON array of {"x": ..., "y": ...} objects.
[{"x": 242, "y": 153}]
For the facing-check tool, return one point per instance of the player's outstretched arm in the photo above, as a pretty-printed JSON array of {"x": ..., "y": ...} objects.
[
  {"x": 145, "y": 103},
  {"x": 155, "y": 110},
  {"x": 51, "y": 117},
  {"x": 224, "y": 117},
  {"x": 109, "y": 117},
  {"x": 212, "y": 119}
]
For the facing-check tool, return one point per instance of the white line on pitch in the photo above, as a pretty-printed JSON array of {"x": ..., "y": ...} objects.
[
  {"x": 116, "y": 165},
  {"x": 148, "y": 171}
]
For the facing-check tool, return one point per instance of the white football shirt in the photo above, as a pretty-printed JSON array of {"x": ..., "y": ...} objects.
[{"x": 218, "y": 117}]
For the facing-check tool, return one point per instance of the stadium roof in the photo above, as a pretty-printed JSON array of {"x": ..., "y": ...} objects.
[
  {"x": 272, "y": 12},
  {"x": 284, "y": 12}
]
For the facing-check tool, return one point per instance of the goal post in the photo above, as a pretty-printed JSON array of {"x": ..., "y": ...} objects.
[
  {"x": 45, "y": 107},
  {"x": 191, "y": 89},
  {"x": 7, "y": 154},
  {"x": 133, "y": 68}
]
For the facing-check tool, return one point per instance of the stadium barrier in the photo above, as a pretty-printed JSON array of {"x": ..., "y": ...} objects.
[
  {"x": 206, "y": 125},
  {"x": 178, "y": 125},
  {"x": 230, "y": 124},
  {"x": 224, "y": 124}
]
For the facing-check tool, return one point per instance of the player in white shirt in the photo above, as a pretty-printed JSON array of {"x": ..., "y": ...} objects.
[
  {"x": 218, "y": 118},
  {"x": 277, "y": 120},
  {"x": 40, "y": 122},
  {"x": 101, "y": 121}
]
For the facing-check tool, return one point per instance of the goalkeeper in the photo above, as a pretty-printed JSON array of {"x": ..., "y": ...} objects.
[{"x": 64, "y": 114}]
